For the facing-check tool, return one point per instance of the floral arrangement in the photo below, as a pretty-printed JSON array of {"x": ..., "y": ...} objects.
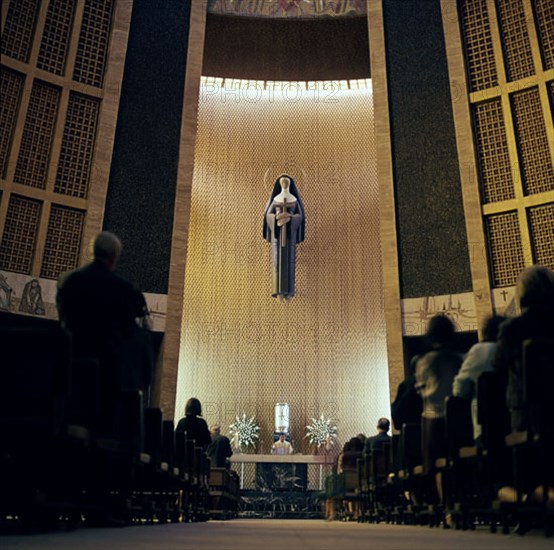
[
  {"x": 321, "y": 431},
  {"x": 243, "y": 431}
]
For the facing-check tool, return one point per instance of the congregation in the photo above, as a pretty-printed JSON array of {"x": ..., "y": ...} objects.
[
  {"x": 472, "y": 440},
  {"x": 473, "y": 432}
]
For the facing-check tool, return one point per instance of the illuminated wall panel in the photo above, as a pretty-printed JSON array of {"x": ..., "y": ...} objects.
[{"x": 242, "y": 350}]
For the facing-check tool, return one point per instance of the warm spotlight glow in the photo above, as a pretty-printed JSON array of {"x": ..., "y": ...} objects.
[{"x": 242, "y": 351}]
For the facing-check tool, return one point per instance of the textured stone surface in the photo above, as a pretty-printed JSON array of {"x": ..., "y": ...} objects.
[
  {"x": 433, "y": 251},
  {"x": 141, "y": 194}
]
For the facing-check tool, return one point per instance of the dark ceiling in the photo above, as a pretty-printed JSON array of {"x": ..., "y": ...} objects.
[{"x": 290, "y": 50}]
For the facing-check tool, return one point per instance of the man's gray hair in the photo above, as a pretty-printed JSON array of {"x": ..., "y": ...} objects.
[
  {"x": 106, "y": 246},
  {"x": 216, "y": 429}
]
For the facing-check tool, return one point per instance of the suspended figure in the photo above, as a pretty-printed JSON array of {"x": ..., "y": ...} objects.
[{"x": 284, "y": 229}]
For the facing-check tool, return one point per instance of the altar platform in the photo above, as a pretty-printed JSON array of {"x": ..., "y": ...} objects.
[
  {"x": 296, "y": 472},
  {"x": 281, "y": 486}
]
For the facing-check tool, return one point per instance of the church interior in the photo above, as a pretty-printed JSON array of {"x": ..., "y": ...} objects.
[{"x": 294, "y": 191}]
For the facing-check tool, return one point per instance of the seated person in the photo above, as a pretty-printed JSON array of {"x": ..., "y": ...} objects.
[
  {"x": 435, "y": 373},
  {"x": 535, "y": 294},
  {"x": 407, "y": 405},
  {"x": 479, "y": 359},
  {"x": 382, "y": 437},
  {"x": 219, "y": 449},
  {"x": 194, "y": 426},
  {"x": 346, "y": 468},
  {"x": 281, "y": 446},
  {"x": 348, "y": 458}
]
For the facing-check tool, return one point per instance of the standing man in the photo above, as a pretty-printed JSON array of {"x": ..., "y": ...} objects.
[
  {"x": 219, "y": 450},
  {"x": 100, "y": 309}
]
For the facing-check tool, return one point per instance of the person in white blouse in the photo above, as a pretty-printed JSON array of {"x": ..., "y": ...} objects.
[{"x": 479, "y": 359}]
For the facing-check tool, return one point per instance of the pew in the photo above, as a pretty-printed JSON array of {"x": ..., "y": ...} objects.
[
  {"x": 39, "y": 473},
  {"x": 532, "y": 439},
  {"x": 224, "y": 493}
]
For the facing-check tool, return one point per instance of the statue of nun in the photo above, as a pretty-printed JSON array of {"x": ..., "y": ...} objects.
[{"x": 284, "y": 229}]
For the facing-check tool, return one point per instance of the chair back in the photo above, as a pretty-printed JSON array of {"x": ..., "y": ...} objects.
[
  {"x": 153, "y": 433},
  {"x": 411, "y": 446},
  {"x": 36, "y": 379},
  {"x": 168, "y": 442},
  {"x": 492, "y": 411},
  {"x": 538, "y": 381},
  {"x": 459, "y": 426}
]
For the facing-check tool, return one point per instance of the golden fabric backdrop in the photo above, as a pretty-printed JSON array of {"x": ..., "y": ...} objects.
[{"x": 242, "y": 351}]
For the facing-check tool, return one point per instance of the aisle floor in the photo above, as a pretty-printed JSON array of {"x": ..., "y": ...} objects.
[{"x": 275, "y": 535}]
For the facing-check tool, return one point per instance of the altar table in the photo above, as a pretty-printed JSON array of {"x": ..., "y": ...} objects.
[{"x": 283, "y": 471}]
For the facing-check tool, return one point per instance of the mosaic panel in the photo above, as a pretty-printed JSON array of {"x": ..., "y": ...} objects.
[
  {"x": 20, "y": 231},
  {"x": 492, "y": 149},
  {"x": 17, "y": 34},
  {"x": 92, "y": 49},
  {"x": 10, "y": 91},
  {"x": 479, "y": 52},
  {"x": 75, "y": 163},
  {"x": 515, "y": 39},
  {"x": 534, "y": 153},
  {"x": 34, "y": 151},
  {"x": 56, "y": 36},
  {"x": 288, "y": 8},
  {"x": 63, "y": 239},
  {"x": 541, "y": 220},
  {"x": 505, "y": 250}
]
